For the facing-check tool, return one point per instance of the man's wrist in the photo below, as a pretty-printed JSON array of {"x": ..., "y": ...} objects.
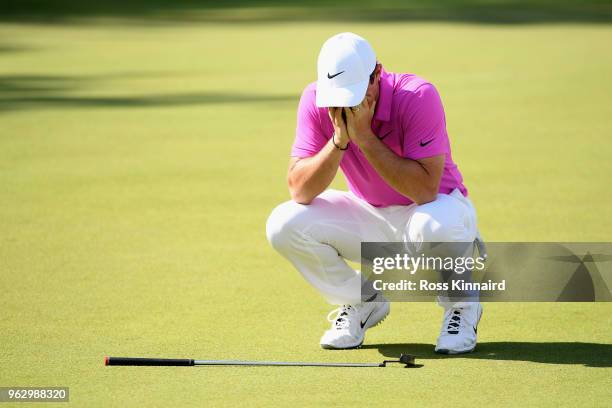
[{"x": 339, "y": 145}]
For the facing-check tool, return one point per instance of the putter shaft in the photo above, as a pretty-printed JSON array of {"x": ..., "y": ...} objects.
[
  {"x": 137, "y": 361},
  {"x": 280, "y": 363}
]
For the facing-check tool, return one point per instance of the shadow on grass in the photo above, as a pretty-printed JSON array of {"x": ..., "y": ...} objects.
[
  {"x": 10, "y": 48},
  {"x": 587, "y": 354},
  {"x": 266, "y": 11},
  {"x": 18, "y": 92}
]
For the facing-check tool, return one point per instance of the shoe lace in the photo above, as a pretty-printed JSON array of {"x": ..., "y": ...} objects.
[
  {"x": 342, "y": 316},
  {"x": 454, "y": 320}
]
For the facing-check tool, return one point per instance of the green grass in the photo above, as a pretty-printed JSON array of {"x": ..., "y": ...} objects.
[{"x": 138, "y": 164}]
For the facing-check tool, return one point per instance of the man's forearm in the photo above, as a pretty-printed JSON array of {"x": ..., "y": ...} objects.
[
  {"x": 408, "y": 177},
  {"x": 309, "y": 177}
]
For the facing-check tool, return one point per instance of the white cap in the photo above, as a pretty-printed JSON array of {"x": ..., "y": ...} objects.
[{"x": 345, "y": 63}]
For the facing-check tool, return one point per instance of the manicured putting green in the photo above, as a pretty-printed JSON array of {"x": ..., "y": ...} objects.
[{"x": 138, "y": 165}]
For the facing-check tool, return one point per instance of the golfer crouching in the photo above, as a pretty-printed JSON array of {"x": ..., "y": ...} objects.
[{"x": 387, "y": 132}]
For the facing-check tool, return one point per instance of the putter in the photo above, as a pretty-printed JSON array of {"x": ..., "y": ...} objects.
[{"x": 406, "y": 359}]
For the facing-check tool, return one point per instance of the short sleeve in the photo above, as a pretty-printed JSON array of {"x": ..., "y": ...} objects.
[
  {"x": 309, "y": 138},
  {"x": 424, "y": 124}
]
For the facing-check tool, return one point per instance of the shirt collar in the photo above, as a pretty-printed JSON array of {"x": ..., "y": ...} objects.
[{"x": 385, "y": 96}]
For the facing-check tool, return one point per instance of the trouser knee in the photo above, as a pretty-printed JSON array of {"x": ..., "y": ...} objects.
[{"x": 283, "y": 225}]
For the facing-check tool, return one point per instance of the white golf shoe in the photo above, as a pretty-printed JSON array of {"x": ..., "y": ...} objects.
[
  {"x": 351, "y": 322},
  {"x": 459, "y": 329}
]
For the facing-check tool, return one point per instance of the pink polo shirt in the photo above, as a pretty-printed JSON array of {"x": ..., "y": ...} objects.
[{"x": 409, "y": 119}]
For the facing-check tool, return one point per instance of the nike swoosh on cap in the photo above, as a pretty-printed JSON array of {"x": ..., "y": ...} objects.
[{"x": 333, "y": 76}]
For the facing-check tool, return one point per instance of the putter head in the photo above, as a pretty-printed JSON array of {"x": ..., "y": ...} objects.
[{"x": 407, "y": 359}]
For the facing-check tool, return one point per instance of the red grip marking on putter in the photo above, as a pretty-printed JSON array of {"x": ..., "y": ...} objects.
[{"x": 106, "y": 360}]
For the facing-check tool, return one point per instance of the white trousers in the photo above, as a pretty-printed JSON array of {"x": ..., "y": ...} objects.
[{"x": 319, "y": 237}]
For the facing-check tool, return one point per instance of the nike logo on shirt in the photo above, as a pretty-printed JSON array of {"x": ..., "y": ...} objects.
[
  {"x": 423, "y": 144},
  {"x": 386, "y": 134}
]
